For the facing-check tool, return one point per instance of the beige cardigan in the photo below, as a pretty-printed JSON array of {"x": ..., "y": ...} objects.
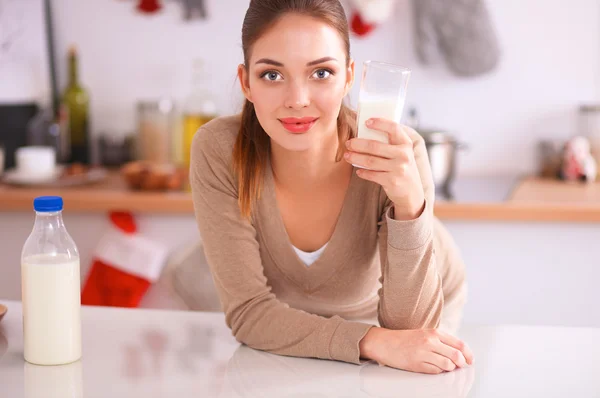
[{"x": 401, "y": 274}]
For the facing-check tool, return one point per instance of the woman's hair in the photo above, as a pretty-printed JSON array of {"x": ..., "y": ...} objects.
[{"x": 252, "y": 146}]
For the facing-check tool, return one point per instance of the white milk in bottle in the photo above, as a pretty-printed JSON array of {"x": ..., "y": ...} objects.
[{"x": 50, "y": 286}]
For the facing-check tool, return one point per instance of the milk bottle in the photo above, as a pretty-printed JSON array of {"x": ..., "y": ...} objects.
[{"x": 50, "y": 285}]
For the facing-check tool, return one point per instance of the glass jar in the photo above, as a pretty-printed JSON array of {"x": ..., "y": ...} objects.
[
  {"x": 589, "y": 127},
  {"x": 155, "y": 131}
]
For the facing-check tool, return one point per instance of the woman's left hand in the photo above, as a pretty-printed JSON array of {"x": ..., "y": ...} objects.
[{"x": 390, "y": 165}]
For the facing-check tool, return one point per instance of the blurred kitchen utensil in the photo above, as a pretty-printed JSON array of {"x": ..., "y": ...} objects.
[
  {"x": 115, "y": 150},
  {"x": 550, "y": 158},
  {"x": 3, "y": 311},
  {"x": 14, "y": 119},
  {"x": 49, "y": 129},
  {"x": 442, "y": 150}
]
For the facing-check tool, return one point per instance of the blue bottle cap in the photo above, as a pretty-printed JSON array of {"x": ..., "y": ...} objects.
[{"x": 48, "y": 203}]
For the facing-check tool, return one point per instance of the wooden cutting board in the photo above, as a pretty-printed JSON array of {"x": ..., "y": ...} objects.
[{"x": 555, "y": 191}]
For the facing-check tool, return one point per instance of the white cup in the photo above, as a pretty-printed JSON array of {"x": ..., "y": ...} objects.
[{"x": 35, "y": 161}]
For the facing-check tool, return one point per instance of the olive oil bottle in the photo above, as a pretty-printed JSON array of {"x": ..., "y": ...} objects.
[
  {"x": 76, "y": 102},
  {"x": 199, "y": 108}
]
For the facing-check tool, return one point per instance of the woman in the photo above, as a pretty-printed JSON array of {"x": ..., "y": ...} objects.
[{"x": 301, "y": 247}]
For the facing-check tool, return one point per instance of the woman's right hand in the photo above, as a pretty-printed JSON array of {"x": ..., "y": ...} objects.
[{"x": 417, "y": 350}]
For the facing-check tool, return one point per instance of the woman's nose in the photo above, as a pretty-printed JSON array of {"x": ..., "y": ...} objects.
[{"x": 298, "y": 96}]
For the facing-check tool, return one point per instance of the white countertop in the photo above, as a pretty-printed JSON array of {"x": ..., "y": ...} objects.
[{"x": 151, "y": 353}]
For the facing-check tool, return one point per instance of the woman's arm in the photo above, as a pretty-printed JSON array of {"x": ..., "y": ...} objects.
[
  {"x": 252, "y": 311},
  {"x": 411, "y": 296}
]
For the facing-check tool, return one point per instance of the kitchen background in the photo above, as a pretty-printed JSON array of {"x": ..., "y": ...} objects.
[{"x": 550, "y": 65}]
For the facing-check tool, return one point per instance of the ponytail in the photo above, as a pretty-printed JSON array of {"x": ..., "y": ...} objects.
[{"x": 250, "y": 154}]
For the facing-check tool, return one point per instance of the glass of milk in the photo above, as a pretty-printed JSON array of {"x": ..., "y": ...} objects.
[
  {"x": 50, "y": 288},
  {"x": 382, "y": 94}
]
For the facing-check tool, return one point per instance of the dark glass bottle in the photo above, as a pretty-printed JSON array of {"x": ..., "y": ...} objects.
[{"x": 77, "y": 103}]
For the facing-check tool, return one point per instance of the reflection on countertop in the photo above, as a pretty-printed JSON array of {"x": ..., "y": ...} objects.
[{"x": 252, "y": 373}]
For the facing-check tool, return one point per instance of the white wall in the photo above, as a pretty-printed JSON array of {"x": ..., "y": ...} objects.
[{"x": 550, "y": 64}]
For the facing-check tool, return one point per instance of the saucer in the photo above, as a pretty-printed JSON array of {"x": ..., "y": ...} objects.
[{"x": 13, "y": 176}]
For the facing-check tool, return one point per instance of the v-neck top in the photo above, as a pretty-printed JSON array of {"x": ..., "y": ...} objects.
[
  {"x": 375, "y": 270},
  {"x": 309, "y": 257}
]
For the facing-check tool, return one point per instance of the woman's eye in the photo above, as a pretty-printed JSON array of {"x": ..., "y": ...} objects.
[
  {"x": 322, "y": 74},
  {"x": 271, "y": 76}
]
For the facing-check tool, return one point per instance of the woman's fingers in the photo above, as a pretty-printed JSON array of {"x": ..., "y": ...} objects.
[
  {"x": 370, "y": 162},
  {"x": 458, "y": 344},
  {"x": 429, "y": 368},
  {"x": 378, "y": 177},
  {"x": 440, "y": 361},
  {"x": 451, "y": 353},
  {"x": 395, "y": 131},
  {"x": 376, "y": 148}
]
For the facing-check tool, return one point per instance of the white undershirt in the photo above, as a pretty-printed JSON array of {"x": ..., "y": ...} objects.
[{"x": 309, "y": 258}]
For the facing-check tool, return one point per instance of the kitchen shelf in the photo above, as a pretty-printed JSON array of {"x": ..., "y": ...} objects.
[
  {"x": 110, "y": 194},
  {"x": 516, "y": 199}
]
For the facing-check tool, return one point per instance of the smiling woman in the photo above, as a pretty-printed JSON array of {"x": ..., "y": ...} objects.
[{"x": 309, "y": 257}]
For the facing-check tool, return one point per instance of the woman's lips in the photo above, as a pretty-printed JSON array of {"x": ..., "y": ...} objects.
[{"x": 298, "y": 125}]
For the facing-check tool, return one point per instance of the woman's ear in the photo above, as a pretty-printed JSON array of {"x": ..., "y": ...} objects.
[
  {"x": 349, "y": 77},
  {"x": 244, "y": 81}
]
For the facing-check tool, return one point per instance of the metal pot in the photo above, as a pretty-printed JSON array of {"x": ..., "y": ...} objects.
[{"x": 441, "y": 149}]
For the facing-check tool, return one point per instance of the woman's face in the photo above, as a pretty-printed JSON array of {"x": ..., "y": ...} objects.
[{"x": 296, "y": 78}]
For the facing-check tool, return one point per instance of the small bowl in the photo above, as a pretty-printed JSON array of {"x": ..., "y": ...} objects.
[{"x": 147, "y": 176}]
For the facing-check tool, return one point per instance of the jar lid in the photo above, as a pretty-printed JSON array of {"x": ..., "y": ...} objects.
[{"x": 163, "y": 105}]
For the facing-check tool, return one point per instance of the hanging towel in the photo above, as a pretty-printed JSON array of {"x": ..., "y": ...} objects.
[{"x": 461, "y": 31}]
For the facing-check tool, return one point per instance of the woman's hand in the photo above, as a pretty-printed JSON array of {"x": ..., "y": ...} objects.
[
  {"x": 417, "y": 350},
  {"x": 390, "y": 165}
]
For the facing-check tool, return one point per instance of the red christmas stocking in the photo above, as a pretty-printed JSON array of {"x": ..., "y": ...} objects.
[
  {"x": 368, "y": 14},
  {"x": 124, "y": 265},
  {"x": 360, "y": 27},
  {"x": 148, "y": 6}
]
